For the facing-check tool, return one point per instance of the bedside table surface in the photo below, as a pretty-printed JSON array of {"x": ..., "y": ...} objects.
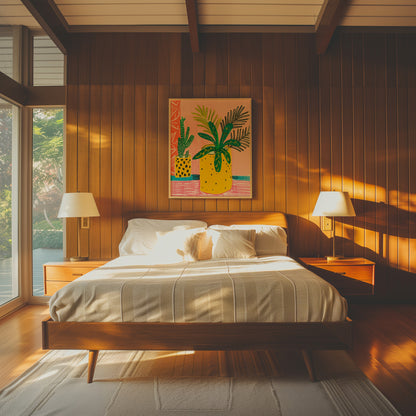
[
  {"x": 85, "y": 263},
  {"x": 346, "y": 261}
]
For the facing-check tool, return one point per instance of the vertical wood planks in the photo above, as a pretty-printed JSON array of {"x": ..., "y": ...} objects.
[
  {"x": 279, "y": 100},
  {"x": 339, "y": 121},
  {"x": 370, "y": 68},
  {"x": 71, "y": 145},
  {"x": 83, "y": 130},
  {"x": 347, "y": 134},
  {"x": 94, "y": 165},
  {"x": 164, "y": 55},
  {"x": 412, "y": 157},
  {"x": 392, "y": 151},
  {"x": 128, "y": 126},
  {"x": 105, "y": 61},
  {"x": 358, "y": 143},
  {"x": 268, "y": 151},
  {"x": 404, "y": 67},
  {"x": 117, "y": 145}
]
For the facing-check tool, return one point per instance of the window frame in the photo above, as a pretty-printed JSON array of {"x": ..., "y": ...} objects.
[{"x": 19, "y": 91}]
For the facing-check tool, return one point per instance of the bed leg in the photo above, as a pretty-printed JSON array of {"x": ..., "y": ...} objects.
[
  {"x": 92, "y": 361},
  {"x": 307, "y": 358}
]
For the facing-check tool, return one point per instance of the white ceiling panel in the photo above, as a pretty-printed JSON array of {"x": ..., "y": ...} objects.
[
  {"x": 13, "y": 12},
  {"x": 245, "y": 13},
  {"x": 380, "y": 13},
  {"x": 126, "y": 20},
  {"x": 134, "y": 12}
]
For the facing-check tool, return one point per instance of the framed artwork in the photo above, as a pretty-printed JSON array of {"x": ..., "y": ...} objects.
[{"x": 210, "y": 146}]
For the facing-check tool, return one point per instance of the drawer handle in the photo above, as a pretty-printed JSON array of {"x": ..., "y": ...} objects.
[{"x": 76, "y": 274}]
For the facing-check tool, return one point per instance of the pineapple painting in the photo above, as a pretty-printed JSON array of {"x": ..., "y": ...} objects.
[
  {"x": 183, "y": 161},
  {"x": 210, "y": 148}
]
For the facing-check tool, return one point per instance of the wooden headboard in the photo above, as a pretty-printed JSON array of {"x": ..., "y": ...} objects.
[{"x": 216, "y": 217}]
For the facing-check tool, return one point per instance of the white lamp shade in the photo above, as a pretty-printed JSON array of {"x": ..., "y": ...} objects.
[
  {"x": 333, "y": 204},
  {"x": 78, "y": 205}
]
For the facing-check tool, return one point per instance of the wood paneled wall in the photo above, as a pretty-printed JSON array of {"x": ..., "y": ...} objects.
[{"x": 342, "y": 121}]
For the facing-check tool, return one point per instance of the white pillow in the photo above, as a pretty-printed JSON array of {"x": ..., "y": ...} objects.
[
  {"x": 140, "y": 236},
  {"x": 178, "y": 245},
  {"x": 234, "y": 244},
  {"x": 271, "y": 240}
]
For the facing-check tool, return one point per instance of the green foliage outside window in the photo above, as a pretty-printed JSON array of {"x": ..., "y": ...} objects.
[
  {"x": 47, "y": 178},
  {"x": 5, "y": 181}
]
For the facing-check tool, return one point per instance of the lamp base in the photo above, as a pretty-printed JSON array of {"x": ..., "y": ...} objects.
[
  {"x": 334, "y": 258},
  {"x": 78, "y": 258}
]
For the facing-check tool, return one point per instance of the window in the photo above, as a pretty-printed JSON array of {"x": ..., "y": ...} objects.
[
  {"x": 9, "y": 134},
  {"x": 47, "y": 186},
  {"x": 6, "y": 51},
  {"x": 16, "y": 282},
  {"x": 48, "y": 62}
]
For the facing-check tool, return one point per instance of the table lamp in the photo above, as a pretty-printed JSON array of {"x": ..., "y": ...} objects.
[
  {"x": 333, "y": 204},
  {"x": 78, "y": 205}
]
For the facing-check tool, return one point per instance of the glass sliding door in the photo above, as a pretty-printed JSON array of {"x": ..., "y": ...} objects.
[
  {"x": 9, "y": 146},
  {"x": 48, "y": 162}
]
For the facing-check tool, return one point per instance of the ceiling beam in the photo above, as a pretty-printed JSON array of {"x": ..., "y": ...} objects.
[
  {"x": 51, "y": 20},
  {"x": 17, "y": 93},
  {"x": 12, "y": 90},
  {"x": 193, "y": 24},
  {"x": 331, "y": 13},
  {"x": 45, "y": 96}
]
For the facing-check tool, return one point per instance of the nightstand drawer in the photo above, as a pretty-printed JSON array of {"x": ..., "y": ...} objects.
[
  {"x": 363, "y": 273},
  {"x": 51, "y": 287},
  {"x": 66, "y": 274},
  {"x": 58, "y": 274}
]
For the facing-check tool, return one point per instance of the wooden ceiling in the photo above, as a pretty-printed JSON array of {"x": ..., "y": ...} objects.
[
  {"x": 198, "y": 16},
  {"x": 85, "y": 15}
]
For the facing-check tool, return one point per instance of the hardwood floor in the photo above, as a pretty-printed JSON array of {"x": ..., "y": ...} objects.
[
  {"x": 384, "y": 348},
  {"x": 21, "y": 341}
]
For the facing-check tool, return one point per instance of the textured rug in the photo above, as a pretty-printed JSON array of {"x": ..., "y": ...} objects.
[{"x": 56, "y": 385}]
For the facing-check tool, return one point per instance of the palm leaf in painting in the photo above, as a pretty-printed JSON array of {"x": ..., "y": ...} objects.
[
  {"x": 242, "y": 136},
  {"x": 204, "y": 115},
  {"x": 237, "y": 117}
]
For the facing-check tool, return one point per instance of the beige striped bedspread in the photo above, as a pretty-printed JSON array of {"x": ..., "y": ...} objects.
[{"x": 264, "y": 289}]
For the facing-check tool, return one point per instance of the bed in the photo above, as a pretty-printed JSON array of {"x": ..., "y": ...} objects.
[{"x": 119, "y": 305}]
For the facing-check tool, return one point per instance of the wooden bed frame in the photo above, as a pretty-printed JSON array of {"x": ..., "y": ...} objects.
[{"x": 96, "y": 336}]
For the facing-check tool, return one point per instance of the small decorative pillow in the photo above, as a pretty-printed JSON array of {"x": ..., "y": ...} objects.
[
  {"x": 234, "y": 244},
  {"x": 197, "y": 246},
  {"x": 271, "y": 240},
  {"x": 179, "y": 244}
]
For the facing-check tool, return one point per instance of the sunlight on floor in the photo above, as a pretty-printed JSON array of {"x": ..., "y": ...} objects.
[{"x": 161, "y": 355}]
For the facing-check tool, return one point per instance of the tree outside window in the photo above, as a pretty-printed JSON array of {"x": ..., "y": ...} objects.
[{"x": 48, "y": 185}]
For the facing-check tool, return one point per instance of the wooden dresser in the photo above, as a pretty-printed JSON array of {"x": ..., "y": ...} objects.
[
  {"x": 350, "y": 275},
  {"x": 58, "y": 274}
]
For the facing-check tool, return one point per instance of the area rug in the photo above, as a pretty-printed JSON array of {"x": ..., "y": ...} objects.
[{"x": 56, "y": 385}]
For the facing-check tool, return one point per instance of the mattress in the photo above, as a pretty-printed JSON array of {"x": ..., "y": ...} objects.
[{"x": 137, "y": 289}]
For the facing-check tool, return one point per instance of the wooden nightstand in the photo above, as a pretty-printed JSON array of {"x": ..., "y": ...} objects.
[
  {"x": 351, "y": 275},
  {"x": 58, "y": 274}
]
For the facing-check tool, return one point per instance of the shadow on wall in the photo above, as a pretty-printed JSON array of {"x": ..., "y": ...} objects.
[{"x": 392, "y": 284}]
